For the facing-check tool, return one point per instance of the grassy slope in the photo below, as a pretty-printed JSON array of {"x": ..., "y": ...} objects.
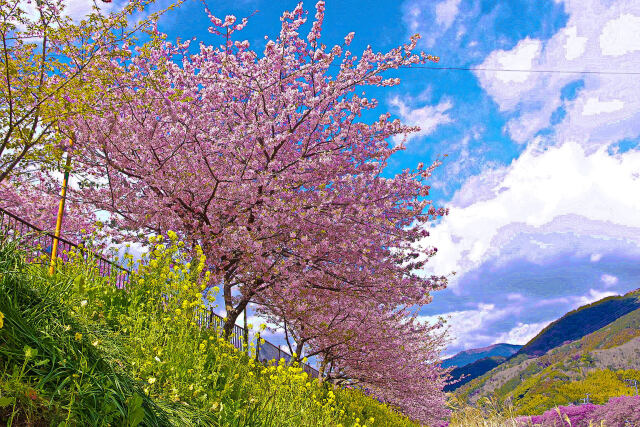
[
  {"x": 566, "y": 373},
  {"x": 77, "y": 351},
  {"x": 580, "y": 322}
]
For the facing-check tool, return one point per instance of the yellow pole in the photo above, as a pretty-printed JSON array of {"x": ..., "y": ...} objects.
[{"x": 63, "y": 195}]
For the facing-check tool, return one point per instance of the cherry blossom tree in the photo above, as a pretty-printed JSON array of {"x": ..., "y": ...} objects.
[
  {"x": 264, "y": 161},
  {"x": 36, "y": 200},
  {"x": 50, "y": 70},
  {"x": 388, "y": 353}
]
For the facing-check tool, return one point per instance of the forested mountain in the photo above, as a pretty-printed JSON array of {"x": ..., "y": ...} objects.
[
  {"x": 469, "y": 356},
  {"x": 597, "y": 364},
  {"x": 580, "y": 322},
  {"x": 463, "y": 374}
]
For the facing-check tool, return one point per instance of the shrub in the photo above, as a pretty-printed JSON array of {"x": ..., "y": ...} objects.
[{"x": 619, "y": 411}]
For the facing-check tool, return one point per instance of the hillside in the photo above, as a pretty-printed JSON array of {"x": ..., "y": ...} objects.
[
  {"x": 469, "y": 356},
  {"x": 473, "y": 370},
  {"x": 77, "y": 350},
  {"x": 580, "y": 322},
  {"x": 596, "y": 363}
]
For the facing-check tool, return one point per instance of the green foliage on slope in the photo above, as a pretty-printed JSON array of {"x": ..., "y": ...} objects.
[
  {"x": 75, "y": 350},
  {"x": 581, "y": 322},
  {"x": 596, "y": 364},
  {"x": 552, "y": 387}
]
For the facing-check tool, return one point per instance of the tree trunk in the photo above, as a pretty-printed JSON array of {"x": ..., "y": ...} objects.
[
  {"x": 246, "y": 331},
  {"x": 233, "y": 312},
  {"x": 299, "y": 348},
  {"x": 232, "y": 315},
  {"x": 323, "y": 366}
]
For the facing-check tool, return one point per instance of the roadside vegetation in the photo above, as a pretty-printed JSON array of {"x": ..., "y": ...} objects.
[
  {"x": 75, "y": 350},
  {"x": 619, "y": 411}
]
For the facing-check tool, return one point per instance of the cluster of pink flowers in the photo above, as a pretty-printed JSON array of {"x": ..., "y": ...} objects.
[
  {"x": 618, "y": 411},
  {"x": 262, "y": 160},
  {"x": 36, "y": 199}
]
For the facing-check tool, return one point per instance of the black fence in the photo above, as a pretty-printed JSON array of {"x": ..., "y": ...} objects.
[
  {"x": 264, "y": 351},
  {"x": 37, "y": 242},
  {"x": 208, "y": 319}
]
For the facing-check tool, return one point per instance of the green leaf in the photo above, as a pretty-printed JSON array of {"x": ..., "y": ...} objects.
[
  {"x": 135, "y": 413},
  {"x": 29, "y": 353},
  {"x": 41, "y": 362},
  {"x": 78, "y": 284},
  {"x": 6, "y": 401}
]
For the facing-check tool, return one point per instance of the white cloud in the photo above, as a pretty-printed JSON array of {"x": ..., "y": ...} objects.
[
  {"x": 572, "y": 197},
  {"x": 600, "y": 35},
  {"x": 540, "y": 244},
  {"x": 608, "y": 280},
  {"x": 521, "y": 57},
  {"x": 470, "y": 328},
  {"x": 575, "y": 45},
  {"x": 593, "y": 296},
  {"x": 508, "y": 88},
  {"x": 78, "y": 9},
  {"x": 516, "y": 297},
  {"x": 446, "y": 12},
  {"x": 75, "y": 9},
  {"x": 521, "y": 334},
  {"x": 621, "y": 36},
  {"x": 414, "y": 18},
  {"x": 594, "y": 106},
  {"x": 543, "y": 204},
  {"x": 428, "y": 117},
  {"x": 432, "y": 19},
  {"x": 551, "y": 301}
]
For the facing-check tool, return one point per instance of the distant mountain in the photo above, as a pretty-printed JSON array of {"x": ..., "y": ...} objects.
[
  {"x": 469, "y": 356},
  {"x": 580, "y": 322},
  {"x": 596, "y": 363},
  {"x": 473, "y": 370}
]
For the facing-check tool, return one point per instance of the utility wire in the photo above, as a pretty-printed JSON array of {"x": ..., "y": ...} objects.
[{"x": 523, "y": 71}]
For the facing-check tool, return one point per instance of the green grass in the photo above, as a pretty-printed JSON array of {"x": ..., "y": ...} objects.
[
  {"x": 49, "y": 375},
  {"x": 75, "y": 350}
]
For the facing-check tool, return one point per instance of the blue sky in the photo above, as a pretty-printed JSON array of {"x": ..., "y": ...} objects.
[{"x": 542, "y": 177}]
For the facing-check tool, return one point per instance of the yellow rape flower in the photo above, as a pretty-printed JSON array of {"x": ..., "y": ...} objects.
[{"x": 1, "y": 319}]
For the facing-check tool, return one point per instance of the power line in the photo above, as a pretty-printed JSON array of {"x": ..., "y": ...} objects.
[{"x": 525, "y": 71}]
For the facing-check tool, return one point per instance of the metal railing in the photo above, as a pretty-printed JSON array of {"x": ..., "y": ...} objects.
[
  {"x": 264, "y": 351},
  {"x": 207, "y": 318},
  {"x": 38, "y": 242},
  {"x": 268, "y": 351}
]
